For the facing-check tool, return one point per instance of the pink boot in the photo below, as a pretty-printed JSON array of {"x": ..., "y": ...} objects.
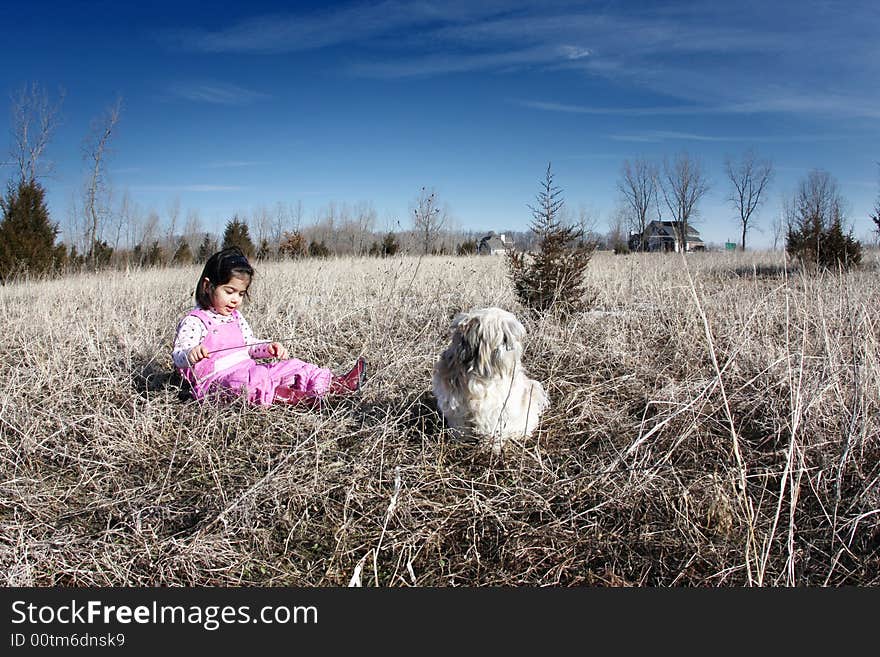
[
  {"x": 350, "y": 382},
  {"x": 286, "y": 395}
]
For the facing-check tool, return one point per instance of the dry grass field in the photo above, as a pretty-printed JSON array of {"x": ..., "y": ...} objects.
[{"x": 710, "y": 425}]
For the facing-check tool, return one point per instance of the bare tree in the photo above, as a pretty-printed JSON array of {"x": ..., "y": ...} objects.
[
  {"x": 365, "y": 218},
  {"x": 638, "y": 185},
  {"x": 428, "y": 218},
  {"x": 875, "y": 214},
  {"x": 296, "y": 215},
  {"x": 777, "y": 226},
  {"x": 120, "y": 219},
  {"x": 750, "y": 178},
  {"x": 97, "y": 148},
  {"x": 278, "y": 223},
  {"x": 173, "y": 218},
  {"x": 34, "y": 119},
  {"x": 261, "y": 224},
  {"x": 149, "y": 234},
  {"x": 617, "y": 237},
  {"x": 192, "y": 230},
  {"x": 683, "y": 185},
  {"x": 587, "y": 221}
]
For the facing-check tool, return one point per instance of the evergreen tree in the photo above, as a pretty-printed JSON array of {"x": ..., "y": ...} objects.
[
  {"x": 552, "y": 278},
  {"x": 265, "y": 251},
  {"x": 183, "y": 255},
  {"x": 390, "y": 245},
  {"x": 815, "y": 225},
  {"x": 207, "y": 248},
  {"x": 318, "y": 249},
  {"x": 100, "y": 253},
  {"x": 27, "y": 235},
  {"x": 62, "y": 259},
  {"x": 238, "y": 234},
  {"x": 155, "y": 256}
]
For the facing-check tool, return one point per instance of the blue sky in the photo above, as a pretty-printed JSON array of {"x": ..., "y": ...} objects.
[{"x": 228, "y": 108}]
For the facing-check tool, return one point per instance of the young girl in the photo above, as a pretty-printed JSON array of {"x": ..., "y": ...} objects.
[{"x": 214, "y": 348}]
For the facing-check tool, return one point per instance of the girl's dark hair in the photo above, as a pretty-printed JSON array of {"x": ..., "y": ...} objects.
[{"x": 220, "y": 269}]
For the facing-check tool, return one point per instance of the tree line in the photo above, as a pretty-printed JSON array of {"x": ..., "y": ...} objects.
[{"x": 105, "y": 232}]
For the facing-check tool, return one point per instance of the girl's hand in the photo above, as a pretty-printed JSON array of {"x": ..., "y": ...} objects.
[
  {"x": 277, "y": 350},
  {"x": 196, "y": 354}
]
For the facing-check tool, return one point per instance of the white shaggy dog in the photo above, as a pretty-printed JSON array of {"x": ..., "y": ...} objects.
[{"x": 479, "y": 382}]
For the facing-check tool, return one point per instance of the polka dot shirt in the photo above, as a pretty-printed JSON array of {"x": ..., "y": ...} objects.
[{"x": 191, "y": 331}]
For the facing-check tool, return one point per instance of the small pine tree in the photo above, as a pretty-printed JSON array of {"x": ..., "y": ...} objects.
[
  {"x": 155, "y": 256},
  {"x": 318, "y": 249},
  {"x": 390, "y": 245},
  {"x": 238, "y": 234},
  {"x": 815, "y": 228},
  {"x": 207, "y": 248},
  {"x": 100, "y": 254},
  {"x": 841, "y": 250},
  {"x": 75, "y": 259},
  {"x": 552, "y": 278},
  {"x": 27, "y": 236},
  {"x": 265, "y": 251},
  {"x": 183, "y": 255},
  {"x": 61, "y": 257}
]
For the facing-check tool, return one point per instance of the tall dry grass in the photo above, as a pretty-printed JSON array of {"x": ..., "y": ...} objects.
[{"x": 714, "y": 422}]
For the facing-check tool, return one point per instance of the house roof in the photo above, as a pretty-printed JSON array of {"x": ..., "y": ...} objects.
[
  {"x": 667, "y": 228},
  {"x": 493, "y": 242}
]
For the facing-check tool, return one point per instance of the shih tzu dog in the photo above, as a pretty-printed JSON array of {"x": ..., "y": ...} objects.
[{"x": 480, "y": 384}]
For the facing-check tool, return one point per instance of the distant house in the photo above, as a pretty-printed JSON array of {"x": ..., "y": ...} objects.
[
  {"x": 494, "y": 244},
  {"x": 661, "y": 236}
]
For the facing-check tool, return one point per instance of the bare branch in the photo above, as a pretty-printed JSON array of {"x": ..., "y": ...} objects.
[
  {"x": 97, "y": 147},
  {"x": 638, "y": 186},
  {"x": 750, "y": 178},
  {"x": 34, "y": 120},
  {"x": 683, "y": 185},
  {"x": 428, "y": 218}
]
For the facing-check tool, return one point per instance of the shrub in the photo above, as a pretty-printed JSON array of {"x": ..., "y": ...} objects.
[
  {"x": 468, "y": 247},
  {"x": 390, "y": 245},
  {"x": 318, "y": 249},
  {"x": 815, "y": 226},
  {"x": 552, "y": 278},
  {"x": 293, "y": 245}
]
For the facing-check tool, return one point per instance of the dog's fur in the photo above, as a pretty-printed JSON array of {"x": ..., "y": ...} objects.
[{"x": 479, "y": 382}]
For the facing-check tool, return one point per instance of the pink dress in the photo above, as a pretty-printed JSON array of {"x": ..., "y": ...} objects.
[{"x": 233, "y": 371}]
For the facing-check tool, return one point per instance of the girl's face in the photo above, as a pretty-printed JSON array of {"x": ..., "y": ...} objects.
[{"x": 227, "y": 297}]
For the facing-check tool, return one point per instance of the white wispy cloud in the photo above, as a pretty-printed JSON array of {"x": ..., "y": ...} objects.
[
  {"x": 551, "y": 106},
  {"x": 825, "y": 104},
  {"x": 215, "y": 93},
  {"x": 749, "y": 57},
  {"x": 456, "y": 63},
  {"x": 353, "y": 23},
  {"x": 669, "y": 135},
  {"x": 232, "y": 164},
  {"x": 188, "y": 188}
]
